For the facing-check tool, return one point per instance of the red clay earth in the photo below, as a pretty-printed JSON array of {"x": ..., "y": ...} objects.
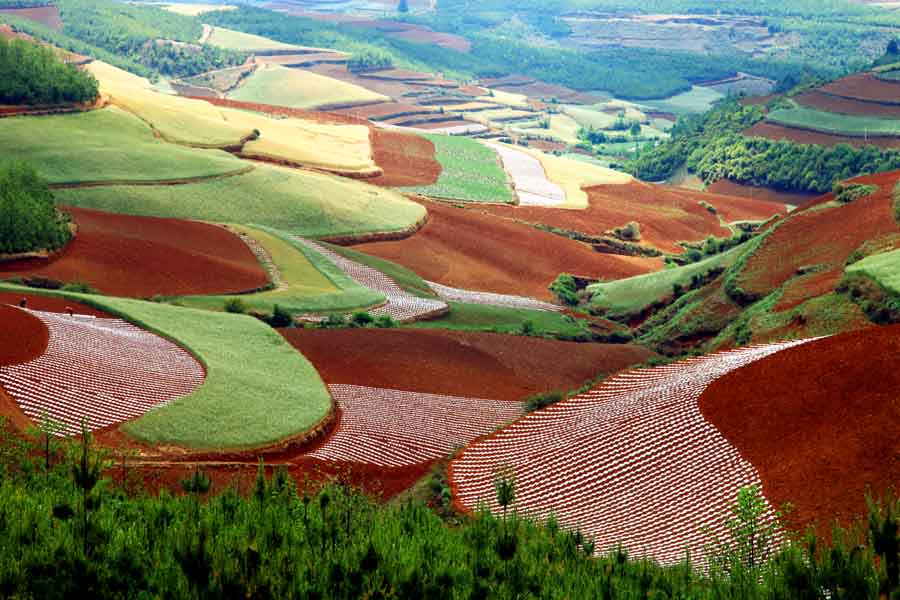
[
  {"x": 51, "y": 304},
  {"x": 23, "y": 337},
  {"x": 386, "y": 110},
  {"x": 143, "y": 256},
  {"x": 793, "y": 247},
  {"x": 818, "y": 422},
  {"x": 865, "y": 86},
  {"x": 45, "y": 15},
  {"x": 775, "y": 132},
  {"x": 666, "y": 214},
  {"x": 468, "y": 249},
  {"x": 730, "y": 188},
  {"x": 848, "y": 106},
  {"x": 454, "y": 363},
  {"x": 407, "y": 160},
  {"x": 272, "y": 109}
]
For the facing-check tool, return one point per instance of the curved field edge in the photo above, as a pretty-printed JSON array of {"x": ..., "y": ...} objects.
[
  {"x": 258, "y": 390},
  {"x": 295, "y": 270}
]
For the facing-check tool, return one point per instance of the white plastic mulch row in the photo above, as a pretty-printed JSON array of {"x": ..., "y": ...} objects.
[
  {"x": 391, "y": 428},
  {"x": 401, "y": 305},
  {"x": 529, "y": 178},
  {"x": 105, "y": 370},
  {"x": 452, "y": 294},
  {"x": 632, "y": 461}
]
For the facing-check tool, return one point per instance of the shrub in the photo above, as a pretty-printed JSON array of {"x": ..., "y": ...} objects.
[
  {"x": 29, "y": 219},
  {"x": 566, "y": 289},
  {"x": 280, "y": 318},
  {"x": 543, "y": 400},
  {"x": 361, "y": 319},
  {"x": 385, "y": 322},
  {"x": 79, "y": 287},
  {"x": 236, "y": 306},
  {"x": 370, "y": 60},
  {"x": 527, "y": 328},
  {"x": 845, "y": 194},
  {"x": 630, "y": 232}
]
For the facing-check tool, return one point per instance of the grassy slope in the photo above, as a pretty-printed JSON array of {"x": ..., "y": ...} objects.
[
  {"x": 405, "y": 278},
  {"x": 817, "y": 120},
  {"x": 631, "y": 295},
  {"x": 314, "y": 283},
  {"x": 300, "y": 202},
  {"x": 258, "y": 389},
  {"x": 236, "y": 40},
  {"x": 884, "y": 268},
  {"x": 476, "y": 317},
  {"x": 111, "y": 145},
  {"x": 471, "y": 171},
  {"x": 300, "y": 89},
  {"x": 696, "y": 101}
]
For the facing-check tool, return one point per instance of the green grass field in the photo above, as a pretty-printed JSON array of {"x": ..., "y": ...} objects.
[
  {"x": 297, "y": 88},
  {"x": 258, "y": 389},
  {"x": 477, "y": 317},
  {"x": 105, "y": 145},
  {"x": 405, "y": 278},
  {"x": 631, "y": 295},
  {"x": 244, "y": 42},
  {"x": 825, "y": 122},
  {"x": 698, "y": 100},
  {"x": 471, "y": 172},
  {"x": 884, "y": 268},
  {"x": 313, "y": 283},
  {"x": 301, "y": 202}
]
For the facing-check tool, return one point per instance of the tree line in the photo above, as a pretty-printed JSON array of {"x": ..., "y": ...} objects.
[
  {"x": 713, "y": 147},
  {"x": 29, "y": 219},
  {"x": 33, "y": 74}
]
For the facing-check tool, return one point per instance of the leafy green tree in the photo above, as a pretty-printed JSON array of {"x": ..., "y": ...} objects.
[{"x": 29, "y": 219}]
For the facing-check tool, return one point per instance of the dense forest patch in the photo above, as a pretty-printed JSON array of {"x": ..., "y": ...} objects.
[{"x": 33, "y": 74}]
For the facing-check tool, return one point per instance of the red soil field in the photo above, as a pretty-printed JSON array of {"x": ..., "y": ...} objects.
[
  {"x": 143, "y": 256},
  {"x": 819, "y": 422},
  {"x": 775, "y": 132},
  {"x": 23, "y": 337},
  {"x": 730, "y": 188},
  {"x": 453, "y": 363},
  {"x": 51, "y": 304},
  {"x": 797, "y": 243},
  {"x": 272, "y": 109},
  {"x": 406, "y": 159},
  {"x": 865, "y": 86},
  {"x": 385, "y": 110},
  {"x": 468, "y": 249},
  {"x": 45, "y": 15},
  {"x": 848, "y": 106},
  {"x": 666, "y": 214}
]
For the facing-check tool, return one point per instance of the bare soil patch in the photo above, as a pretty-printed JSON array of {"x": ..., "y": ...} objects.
[
  {"x": 406, "y": 159},
  {"x": 818, "y": 422},
  {"x": 865, "y": 86},
  {"x": 753, "y": 192},
  {"x": 469, "y": 249},
  {"x": 23, "y": 337},
  {"x": 50, "y": 304},
  {"x": 144, "y": 256},
  {"x": 453, "y": 363}
]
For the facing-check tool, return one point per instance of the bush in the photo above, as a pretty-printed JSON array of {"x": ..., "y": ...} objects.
[
  {"x": 370, "y": 60},
  {"x": 566, "y": 289},
  {"x": 845, "y": 194},
  {"x": 362, "y": 319},
  {"x": 29, "y": 220},
  {"x": 527, "y": 328},
  {"x": 280, "y": 318},
  {"x": 385, "y": 322},
  {"x": 539, "y": 401},
  {"x": 79, "y": 287},
  {"x": 236, "y": 306}
]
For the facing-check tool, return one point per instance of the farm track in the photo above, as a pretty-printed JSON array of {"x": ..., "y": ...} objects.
[
  {"x": 400, "y": 306},
  {"x": 451, "y": 294},
  {"x": 104, "y": 370},
  {"x": 632, "y": 461}
]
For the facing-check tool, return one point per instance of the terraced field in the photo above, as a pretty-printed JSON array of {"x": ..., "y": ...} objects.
[
  {"x": 301, "y": 202},
  {"x": 634, "y": 451},
  {"x": 113, "y": 146},
  {"x": 297, "y": 88},
  {"x": 529, "y": 179},
  {"x": 835, "y": 123},
  {"x": 883, "y": 268},
  {"x": 470, "y": 172},
  {"x": 244, "y": 42}
]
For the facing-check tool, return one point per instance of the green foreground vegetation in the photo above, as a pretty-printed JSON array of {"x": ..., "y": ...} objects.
[
  {"x": 280, "y": 393},
  {"x": 471, "y": 172},
  {"x": 300, "y": 202},
  {"x": 67, "y": 531},
  {"x": 105, "y": 145},
  {"x": 29, "y": 219}
]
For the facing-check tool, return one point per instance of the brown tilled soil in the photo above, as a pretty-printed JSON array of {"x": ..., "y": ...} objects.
[
  {"x": 23, "y": 337},
  {"x": 406, "y": 159},
  {"x": 730, "y": 188},
  {"x": 454, "y": 363},
  {"x": 143, "y": 256},
  {"x": 469, "y": 249},
  {"x": 819, "y": 422},
  {"x": 772, "y": 131},
  {"x": 820, "y": 240},
  {"x": 50, "y": 304},
  {"x": 45, "y": 15},
  {"x": 848, "y": 106},
  {"x": 666, "y": 214},
  {"x": 865, "y": 86}
]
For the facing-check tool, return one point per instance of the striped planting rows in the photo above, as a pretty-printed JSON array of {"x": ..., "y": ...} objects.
[
  {"x": 390, "y": 428},
  {"x": 401, "y": 305},
  {"x": 529, "y": 178},
  {"x": 451, "y": 294},
  {"x": 105, "y": 370},
  {"x": 631, "y": 461}
]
